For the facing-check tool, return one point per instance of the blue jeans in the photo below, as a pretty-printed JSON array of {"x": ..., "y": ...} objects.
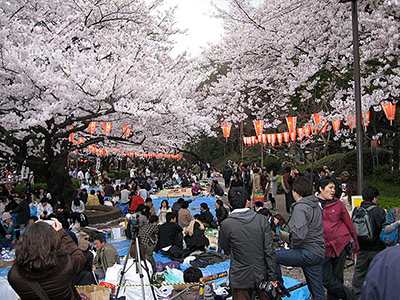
[{"x": 311, "y": 265}]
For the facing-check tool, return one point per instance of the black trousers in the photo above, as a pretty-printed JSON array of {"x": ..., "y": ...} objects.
[
  {"x": 333, "y": 278},
  {"x": 289, "y": 201},
  {"x": 363, "y": 261}
]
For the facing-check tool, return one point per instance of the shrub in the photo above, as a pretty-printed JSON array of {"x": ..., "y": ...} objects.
[
  {"x": 75, "y": 183},
  {"x": 331, "y": 161},
  {"x": 388, "y": 203},
  {"x": 21, "y": 188}
]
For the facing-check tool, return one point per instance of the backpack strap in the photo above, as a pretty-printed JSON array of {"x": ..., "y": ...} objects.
[
  {"x": 370, "y": 207},
  {"x": 37, "y": 288}
]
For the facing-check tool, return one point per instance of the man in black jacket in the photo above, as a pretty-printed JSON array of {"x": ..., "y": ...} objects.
[
  {"x": 22, "y": 210},
  {"x": 216, "y": 189},
  {"x": 368, "y": 250},
  {"x": 253, "y": 256},
  {"x": 169, "y": 235}
]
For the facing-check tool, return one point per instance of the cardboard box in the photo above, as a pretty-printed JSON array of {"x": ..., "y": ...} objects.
[{"x": 93, "y": 292}]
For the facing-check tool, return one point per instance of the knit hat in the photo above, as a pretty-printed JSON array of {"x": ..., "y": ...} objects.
[{"x": 5, "y": 216}]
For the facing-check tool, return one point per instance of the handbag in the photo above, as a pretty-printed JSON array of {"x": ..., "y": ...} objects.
[{"x": 392, "y": 238}]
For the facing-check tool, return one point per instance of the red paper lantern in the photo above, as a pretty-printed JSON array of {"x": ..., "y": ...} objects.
[
  {"x": 390, "y": 110},
  {"x": 317, "y": 119},
  {"x": 293, "y": 136},
  {"x": 336, "y": 125},
  {"x": 263, "y": 139},
  {"x": 365, "y": 119},
  {"x": 291, "y": 123},
  {"x": 107, "y": 127},
  {"x": 269, "y": 139},
  {"x": 280, "y": 138},
  {"x": 307, "y": 130},
  {"x": 273, "y": 139},
  {"x": 286, "y": 136},
  {"x": 258, "y": 127},
  {"x": 92, "y": 127},
  {"x": 324, "y": 127},
  {"x": 127, "y": 130},
  {"x": 226, "y": 129},
  {"x": 253, "y": 140},
  {"x": 71, "y": 135},
  {"x": 351, "y": 123}
]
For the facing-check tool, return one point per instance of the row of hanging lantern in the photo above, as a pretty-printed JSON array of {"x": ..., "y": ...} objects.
[
  {"x": 153, "y": 155},
  {"x": 106, "y": 129},
  {"x": 319, "y": 126}
]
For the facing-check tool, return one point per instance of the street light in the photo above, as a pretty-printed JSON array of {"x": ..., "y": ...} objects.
[{"x": 357, "y": 92}]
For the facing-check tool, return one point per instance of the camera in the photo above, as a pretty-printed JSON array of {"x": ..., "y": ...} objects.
[
  {"x": 133, "y": 225},
  {"x": 271, "y": 292}
]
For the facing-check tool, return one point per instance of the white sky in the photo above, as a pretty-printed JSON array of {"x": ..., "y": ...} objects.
[{"x": 196, "y": 17}]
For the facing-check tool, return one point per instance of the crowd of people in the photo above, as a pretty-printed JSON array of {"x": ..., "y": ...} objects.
[{"x": 321, "y": 233}]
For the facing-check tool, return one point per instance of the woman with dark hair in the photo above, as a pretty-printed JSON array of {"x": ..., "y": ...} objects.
[
  {"x": 77, "y": 208},
  {"x": 184, "y": 215},
  {"x": 46, "y": 261},
  {"x": 281, "y": 224},
  {"x": 220, "y": 211},
  {"x": 164, "y": 209},
  {"x": 236, "y": 181}
]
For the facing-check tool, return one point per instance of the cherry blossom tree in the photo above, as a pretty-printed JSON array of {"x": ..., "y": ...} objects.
[
  {"x": 64, "y": 64},
  {"x": 295, "y": 58}
]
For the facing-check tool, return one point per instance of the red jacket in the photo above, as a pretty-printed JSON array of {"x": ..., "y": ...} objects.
[
  {"x": 135, "y": 202},
  {"x": 338, "y": 229}
]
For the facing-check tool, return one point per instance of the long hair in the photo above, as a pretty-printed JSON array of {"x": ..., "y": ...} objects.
[
  {"x": 281, "y": 219},
  {"x": 39, "y": 249}
]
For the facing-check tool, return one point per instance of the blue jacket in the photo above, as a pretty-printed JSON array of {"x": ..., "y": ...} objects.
[
  {"x": 9, "y": 230},
  {"x": 382, "y": 281}
]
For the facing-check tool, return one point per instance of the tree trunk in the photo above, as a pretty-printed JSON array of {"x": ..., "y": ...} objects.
[
  {"x": 59, "y": 183},
  {"x": 396, "y": 146}
]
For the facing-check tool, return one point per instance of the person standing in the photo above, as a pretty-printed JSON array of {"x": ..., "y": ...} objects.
[
  {"x": 253, "y": 258},
  {"x": 148, "y": 235},
  {"x": 287, "y": 187},
  {"x": 22, "y": 210},
  {"x": 227, "y": 175},
  {"x": 273, "y": 188},
  {"x": 307, "y": 245},
  {"x": 338, "y": 233},
  {"x": 368, "y": 249}
]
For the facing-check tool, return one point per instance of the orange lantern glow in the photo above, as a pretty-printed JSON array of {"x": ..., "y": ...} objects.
[
  {"x": 324, "y": 127},
  {"x": 307, "y": 130},
  {"x": 336, "y": 125},
  {"x": 280, "y": 138},
  {"x": 273, "y": 139},
  {"x": 92, "y": 127},
  {"x": 286, "y": 136},
  {"x": 351, "y": 123},
  {"x": 317, "y": 119},
  {"x": 269, "y": 139},
  {"x": 291, "y": 123},
  {"x": 107, "y": 127},
  {"x": 127, "y": 130},
  {"x": 253, "y": 140},
  {"x": 365, "y": 119},
  {"x": 263, "y": 139},
  {"x": 390, "y": 110},
  {"x": 258, "y": 127},
  {"x": 226, "y": 129},
  {"x": 71, "y": 135}
]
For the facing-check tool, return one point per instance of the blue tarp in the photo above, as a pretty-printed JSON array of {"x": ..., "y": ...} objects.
[{"x": 194, "y": 207}]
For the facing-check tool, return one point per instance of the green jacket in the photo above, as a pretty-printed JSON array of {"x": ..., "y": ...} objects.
[{"x": 106, "y": 257}]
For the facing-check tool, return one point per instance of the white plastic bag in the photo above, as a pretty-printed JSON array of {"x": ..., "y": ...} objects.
[{"x": 113, "y": 274}]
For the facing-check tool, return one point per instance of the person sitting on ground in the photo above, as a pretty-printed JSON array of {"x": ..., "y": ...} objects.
[
  {"x": 281, "y": 226},
  {"x": 7, "y": 232},
  {"x": 136, "y": 201},
  {"x": 100, "y": 197},
  {"x": 77, "y": 208},
  {"x": 92, "y": 199},
  {"x": 220, "y": 211},
  {"x": 141, "y": 211},
  {"x": 184, "y": 215},
  {"x": 148, "y": 235},
  {"x": 205, "y": 215},
  {"x": 44, "y": 209},
  {"x": 195, "y": 238},
  {"x": 149, "y": 203},
  {"x": 190, "y": 275},
  {"x": 197, "y": 189},
  {"x": 106, "y": 255},
  {"x": 48, "y": 257},
  {"x": 258, "y": 205},
  {"x": 164, "y": 209},
  {"x": 132, "y": 278},
  {"x": 216, "y": 189},
  {"x": 169, "y": 235},
  {"x": 85, "y": 276}
]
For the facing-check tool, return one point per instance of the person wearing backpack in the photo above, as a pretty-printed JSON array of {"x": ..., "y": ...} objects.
[
  {"x": 390, "y": 232},
  {"x": 368, "y": 213}
]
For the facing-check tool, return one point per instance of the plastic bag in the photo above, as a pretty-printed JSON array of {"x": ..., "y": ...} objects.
[{"x": 113, "y": 274}]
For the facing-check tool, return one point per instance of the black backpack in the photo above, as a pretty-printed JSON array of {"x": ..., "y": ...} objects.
[{"x": 363, "y": 224}]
